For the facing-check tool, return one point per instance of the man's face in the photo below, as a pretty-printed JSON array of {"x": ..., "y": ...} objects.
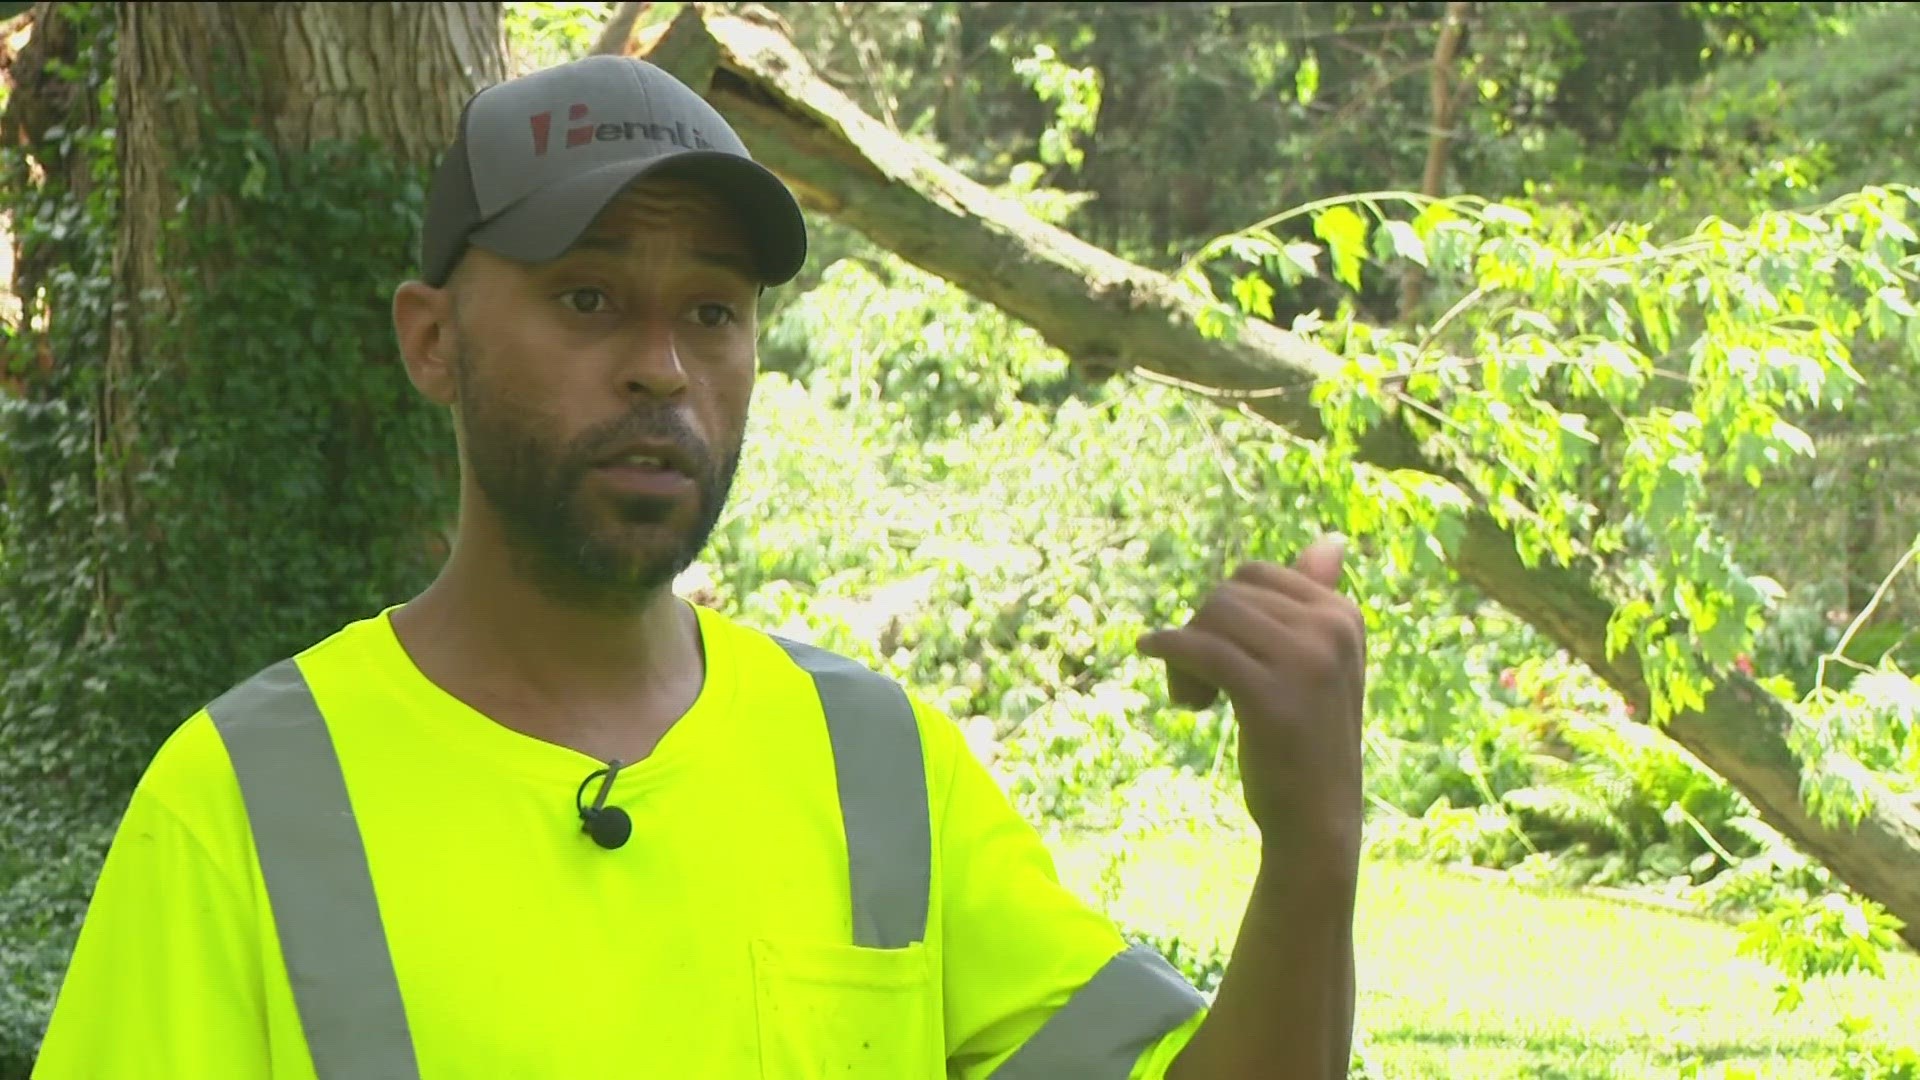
[{"x": 603, "y": 397}]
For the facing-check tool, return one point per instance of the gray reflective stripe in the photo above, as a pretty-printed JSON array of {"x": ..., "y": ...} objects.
[
  {"x": 1104, "y": 1028},
  {"x": 319, "y": 886},
  {"x": 883, "y": 795}
]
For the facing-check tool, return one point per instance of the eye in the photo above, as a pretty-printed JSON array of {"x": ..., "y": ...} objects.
[
  {"x": 714, "y": 316},
  {"x": 585, "y": 301}
]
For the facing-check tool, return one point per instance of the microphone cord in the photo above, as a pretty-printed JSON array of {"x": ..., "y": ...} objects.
[{"x": 609, "y": 826}]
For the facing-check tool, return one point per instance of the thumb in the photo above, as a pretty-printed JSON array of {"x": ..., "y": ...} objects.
[{"x": 1321, "y": 561}]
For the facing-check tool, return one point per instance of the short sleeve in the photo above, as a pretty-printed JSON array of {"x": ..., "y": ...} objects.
[
  {"x": 1037, "y": 982},
  {"x": 165, "y": 979}
]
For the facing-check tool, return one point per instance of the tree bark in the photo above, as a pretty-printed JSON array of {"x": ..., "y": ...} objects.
[
  {"x": 302, "y": 73},
  {"x": 618, "y": 33},
  {"x": 1107, "y": 313},
  {"x": 393, "y": 73},
  {"x": 1441, "y": 102}
]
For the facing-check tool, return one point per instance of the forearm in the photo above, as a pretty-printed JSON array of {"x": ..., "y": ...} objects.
[{"x": 1285, "y": 1006}]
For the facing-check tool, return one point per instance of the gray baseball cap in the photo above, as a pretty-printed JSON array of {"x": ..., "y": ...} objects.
[{"x": 535, "y": 159}]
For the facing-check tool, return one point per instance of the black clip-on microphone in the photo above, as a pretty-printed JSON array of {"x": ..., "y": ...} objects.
[{"x": 608, "y": 825}]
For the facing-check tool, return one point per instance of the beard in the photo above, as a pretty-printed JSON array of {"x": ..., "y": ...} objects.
[{"x": 558, "y": 539}]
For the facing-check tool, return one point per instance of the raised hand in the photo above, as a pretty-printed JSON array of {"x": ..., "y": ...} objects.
[{"x": 1289, "y": 651}]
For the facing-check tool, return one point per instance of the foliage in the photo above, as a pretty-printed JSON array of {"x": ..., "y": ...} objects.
[
  {"x": 46, "y": 863},
  {"x": 1556, "y": 782},
  {"x": 1815, "y": 118},
  {"x": 1810, "y": 940},
  {"x": 1575, "y": 417},
  {"x": 543, "y": 34},
  {"x": 1616, "y": 381},
  {"x": 1335, "y": 96},
  {"x": 1074, "y": 94},
  {"x": 1875, "y": 724}
]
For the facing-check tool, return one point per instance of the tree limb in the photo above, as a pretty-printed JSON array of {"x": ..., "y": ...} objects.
[
  {"x": 618, "y": 32},
  {"x": 1442, "y": 101},
  {"x": 1105, "y": 312}
]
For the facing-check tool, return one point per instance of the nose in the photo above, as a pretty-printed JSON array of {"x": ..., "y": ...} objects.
[{"x": 649, "y": 361}]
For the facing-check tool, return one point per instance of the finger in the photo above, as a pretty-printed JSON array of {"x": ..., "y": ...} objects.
[
  {"x": 1282, "y": 633},
  {"x": 1322, "y": 560},
  {"x": 1198, "y": 653},
  {"x": 1292, "y": 599},
  {"x": 1184, "y": 688},
  {"x": 1190, "y": 691},
  {"x": 1280, "y": 580},
  {"x": 1256, "y": 618}
]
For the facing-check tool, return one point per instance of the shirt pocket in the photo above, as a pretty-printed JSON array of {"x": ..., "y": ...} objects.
[{"x": 846, "y": 1012}]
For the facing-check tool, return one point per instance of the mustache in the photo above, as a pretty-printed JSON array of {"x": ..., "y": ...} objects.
[{"x": 649, "y": 424}]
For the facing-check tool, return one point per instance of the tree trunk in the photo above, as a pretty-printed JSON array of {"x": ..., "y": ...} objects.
[
  {"x": 1106, "y": 313},
  {"x": 1442, "y": 105},
  {"x": 216, "y": 458},
  {"x": 394, "y": 74}
]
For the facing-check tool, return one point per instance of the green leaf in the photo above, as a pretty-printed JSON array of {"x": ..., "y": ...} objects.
[
  {"x": 1432, "y": 217},
  {"x": 1299, "y": 261},
  {"x": 1575, "y": 424},
  {"x": 1897, "y": 301},
  {"x": 1508, "y": 215},
  {"x": 1345, "y": 232},
  {"x": 1406, "y": 242},
  {"x": 1254, "y": 295},
  {"x": 1306, "y": 80},
  {"x": 1797, "y": 441}
]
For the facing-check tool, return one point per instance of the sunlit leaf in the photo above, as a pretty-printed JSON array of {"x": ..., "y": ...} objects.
[
  {"x": 1345, "y": 232},
  {"x": 1254, "y": 295},
  {"x": 1797, "y": 441},
  {"x": 1508, "y": 215},
  {"x": 1406, "y": 242},
  {"x": 1306, "y": 79},
  {"x": 1301, "y": 258}
]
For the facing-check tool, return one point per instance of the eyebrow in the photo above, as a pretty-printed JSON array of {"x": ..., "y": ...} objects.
[{"x": 732, "y": 262}]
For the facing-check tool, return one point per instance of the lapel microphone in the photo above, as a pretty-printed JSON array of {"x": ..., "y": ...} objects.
[{"x": 608, "y": 825}]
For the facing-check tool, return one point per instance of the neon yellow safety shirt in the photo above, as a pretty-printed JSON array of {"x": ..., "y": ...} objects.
[{"x": 715, "y": 943}]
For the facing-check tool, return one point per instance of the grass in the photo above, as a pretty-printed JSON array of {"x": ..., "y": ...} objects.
[{"x": 1466, "y": 978}]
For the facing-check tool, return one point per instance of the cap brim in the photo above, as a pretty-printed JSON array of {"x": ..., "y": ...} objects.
[{"x": 545, "y": 224}]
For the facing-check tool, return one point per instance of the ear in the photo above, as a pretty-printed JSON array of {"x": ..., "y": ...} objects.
[{"x": 429, "y": 340}]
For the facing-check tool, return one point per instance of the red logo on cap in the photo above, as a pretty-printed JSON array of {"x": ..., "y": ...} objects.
[
  {"x": 677, "y": 133},
  {"x": 576, "y": 136}
]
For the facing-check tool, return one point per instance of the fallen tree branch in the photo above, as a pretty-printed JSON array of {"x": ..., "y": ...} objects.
[
  {"x": 1108, "y": 314},
  {"x": 618, "y": 33}
]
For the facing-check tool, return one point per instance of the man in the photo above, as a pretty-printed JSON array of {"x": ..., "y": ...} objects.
[{"x": 362, "y": 862}]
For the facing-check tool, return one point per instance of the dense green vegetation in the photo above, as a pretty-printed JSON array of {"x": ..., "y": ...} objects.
[{"x": 1660, "y": 310}]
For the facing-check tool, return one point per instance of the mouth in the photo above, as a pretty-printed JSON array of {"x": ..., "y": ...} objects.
[
  {"x": 650, "y": 472},
  {"x": 661, "y": 458}
]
